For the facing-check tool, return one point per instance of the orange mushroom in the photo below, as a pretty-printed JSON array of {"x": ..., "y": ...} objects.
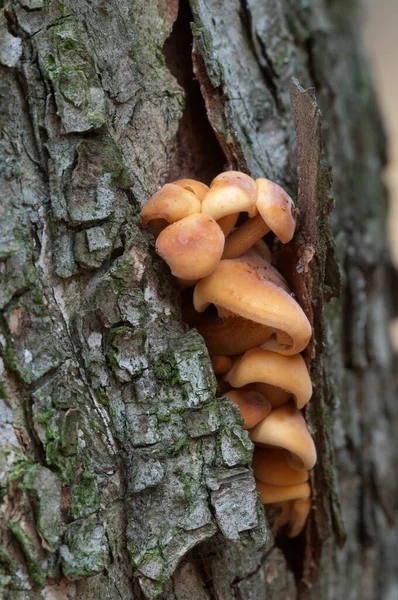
[
  {"x": 253, "y": 406},
  {"x": 192, "y": 247},
  {"x": 275, "y": 214},
  {"x": 240, "y": 288},
  {"x": 286, "y": 428},
  {"x": 232, "y": 335},
  {"x": 287, "y": 373},
  {"x": 200, "y": 190},
  {"x": 299, "y": 512},
  {"x": 292, "y": 498},
  {"x": 196, "y": 187},
  {"x": 170, "y": 204},
  {"x": 228, "y": 222},
  {"x": 252, "y": 307},
  {"x": 263, "y": 250},
  {"x": 271, "y": 467},
  {"x": 255, "y": 258},
  {"x": 276, "y": 208},
  {"x": 230, "y": 193},
  {"x": 271, "y": 494}
]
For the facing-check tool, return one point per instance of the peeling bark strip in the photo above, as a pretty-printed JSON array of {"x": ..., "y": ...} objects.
[
  {"x": 315, "y": 276},
  {"x": 115, "y": 458}
]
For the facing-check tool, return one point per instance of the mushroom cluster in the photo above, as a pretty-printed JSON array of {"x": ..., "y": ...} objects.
[{"x": 253, "y": 327}]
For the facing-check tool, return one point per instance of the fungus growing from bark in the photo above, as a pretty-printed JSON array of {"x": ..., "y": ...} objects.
[
  {"x": 293, "y": 502},
  {"x": 276, "y": 208},
  {"x": 230, "y": 193},
  {"x": 271, "y": 467},
  {"x": 254, "y": 407},
  {"x": 286, "y": 428},
  {"x": 238, "y": 287},
  {"x": 230, "y": 336},
  {"x": 264, "y": 367},
  {"x": 170, "y": 204},
  {"x": 275, "y": 213},
  {"x": 196, "y": 187},
  {"x": 272, "y": 494},
  {"x": 192, "y": 247},
  {"x": 253, "y": 328}
]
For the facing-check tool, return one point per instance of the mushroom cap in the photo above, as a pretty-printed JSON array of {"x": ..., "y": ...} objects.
[
  {"x": 252, "y": 405},
  {"x": 231, "y": 336},
  {"x": 192, "y": 247},
  {"x": 270, "y": 466},
  {"x": 221, "y": 364},
  {"x": 275, "y": 395},
  {"x": 288, "y": 373},
  {"x": 271, "y": 494},
  {"x": 170, "y": 204},
  {"x": 276, "y": 208},
  {"x": 196, "y": 187},
  {"x": 254, "y": 258},
  {"x": 230, "y": 192},
  {"x": 237, "y": 286},
  {"x": 286, "y": 428},
  {"x": 299, "y": 512}
]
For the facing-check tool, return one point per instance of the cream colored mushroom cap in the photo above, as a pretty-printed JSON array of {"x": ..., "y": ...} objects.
[
  {"x": 171, "y": 203},
  {"x": 276, "y": 208},
  {"x": 298, "y": 516},
  {"x": 196, "y": 187},
  {"x": 192, "y": 247},
  {"x": 254, "y": 258},
  {"x": 288, "y": 373},
  {"x": 241, "y": 289},
  {"x": 252, "y": 405},
  {"x": 286, "y": 428},
  {"x": 230, "y": 192}
]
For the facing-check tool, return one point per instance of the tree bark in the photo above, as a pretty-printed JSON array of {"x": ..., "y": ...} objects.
[{"x": 122, "y": 475}]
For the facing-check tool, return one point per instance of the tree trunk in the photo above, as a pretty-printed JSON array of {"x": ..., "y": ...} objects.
[{"x": 122, "y": 476}]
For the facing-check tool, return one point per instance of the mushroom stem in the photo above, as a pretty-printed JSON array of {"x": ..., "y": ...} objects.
[
  {"x": 227, "y": 223},
  {"x": 243, "y": 238}
]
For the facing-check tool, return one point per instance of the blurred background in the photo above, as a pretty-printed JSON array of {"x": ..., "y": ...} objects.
[{"x": 382, "y": 42}]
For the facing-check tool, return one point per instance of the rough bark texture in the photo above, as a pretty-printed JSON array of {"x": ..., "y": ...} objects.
[{"x": 121, "y": 474}]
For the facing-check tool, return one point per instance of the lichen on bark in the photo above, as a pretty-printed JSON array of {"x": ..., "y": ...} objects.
[{"x": 121, "y": 471}]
